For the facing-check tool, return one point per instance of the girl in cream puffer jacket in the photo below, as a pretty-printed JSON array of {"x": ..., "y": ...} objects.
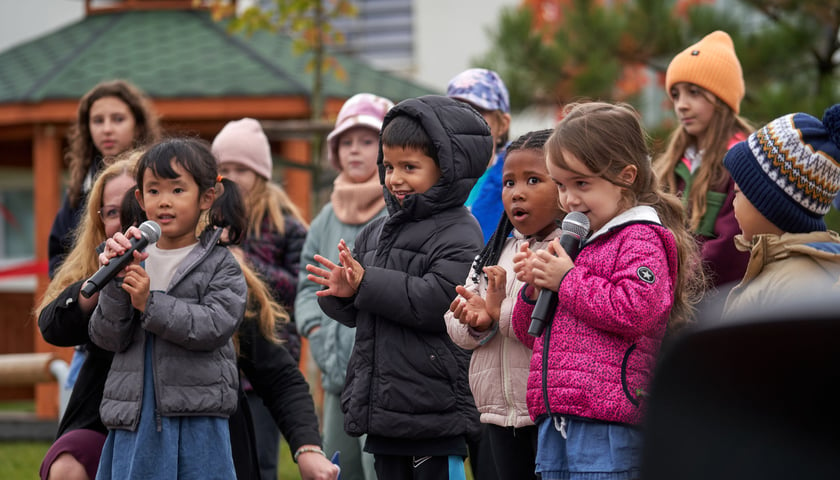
[{"x": 499, "y": 364}]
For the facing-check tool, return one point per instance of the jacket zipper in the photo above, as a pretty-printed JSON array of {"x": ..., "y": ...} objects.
[
  {"x": 546, "y": 343},
  {"x": 373, "y": 376},
  {"x": 176, "y": 278},
  {"x": 158, "y": 419}
]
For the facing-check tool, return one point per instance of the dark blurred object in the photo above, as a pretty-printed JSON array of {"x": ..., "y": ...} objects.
[{"x": 752, "y": 397}]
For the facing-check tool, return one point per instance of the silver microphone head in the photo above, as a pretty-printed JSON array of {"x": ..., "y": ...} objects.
[
  {"x": 150, "y": 230},
  {"x": 576, "y": 223}
]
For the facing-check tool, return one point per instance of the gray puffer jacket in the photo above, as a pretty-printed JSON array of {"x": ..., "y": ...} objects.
[{"x": 194, "y": 362}]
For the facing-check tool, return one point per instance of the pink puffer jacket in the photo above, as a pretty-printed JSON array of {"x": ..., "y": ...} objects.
[{"x": 612, "y": 310}]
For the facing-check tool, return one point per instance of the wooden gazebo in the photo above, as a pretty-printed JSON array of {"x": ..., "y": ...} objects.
[{"x": 199, "y": 77}]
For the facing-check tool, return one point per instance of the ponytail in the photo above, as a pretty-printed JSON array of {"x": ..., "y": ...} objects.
[
  {"x": 490, "y": 253},
  {"x": 228, "y": 211}
]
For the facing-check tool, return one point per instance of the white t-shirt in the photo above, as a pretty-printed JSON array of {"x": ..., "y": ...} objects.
[{"x": 162, "y": 264}]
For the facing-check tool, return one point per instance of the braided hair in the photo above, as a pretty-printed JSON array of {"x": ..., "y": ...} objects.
[{"x": 534, "y": 140}]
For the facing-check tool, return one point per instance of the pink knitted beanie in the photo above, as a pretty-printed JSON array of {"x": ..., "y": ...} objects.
[{"x": 244, "y": 142}]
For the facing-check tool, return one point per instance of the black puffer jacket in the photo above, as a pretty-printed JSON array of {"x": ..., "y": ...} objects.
[{"x": 406, "y": 379}]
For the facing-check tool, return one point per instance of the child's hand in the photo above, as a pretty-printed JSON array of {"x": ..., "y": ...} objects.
[
  {"x": 470, "y": 309},
  {"x": 523, "y": 264},
  {"x": 496, "y": 290},
  {"x": 119, "y": 244},
  {"x": 334, "y": 277},
  {"x": 354, "y": 269},
  {"x": 136, "y": 282},
  {"x": 551, "y": 265},
  {"x": 315, "y": 466}
]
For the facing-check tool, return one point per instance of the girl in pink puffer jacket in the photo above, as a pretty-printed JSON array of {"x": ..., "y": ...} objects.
[{"x": 636, "y": 275}]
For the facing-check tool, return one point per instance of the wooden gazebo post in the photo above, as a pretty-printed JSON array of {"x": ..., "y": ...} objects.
[
  {"x": 298, "y": 181},
  {"x": 46, "y": 168}
]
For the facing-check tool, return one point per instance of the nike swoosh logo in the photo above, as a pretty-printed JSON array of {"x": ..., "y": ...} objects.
[{"x": 420, "y": 461}]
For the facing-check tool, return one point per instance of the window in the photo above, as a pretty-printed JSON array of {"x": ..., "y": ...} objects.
[
  {"x": 17, "y": 228},
  {"x": 17, "y": 216}
]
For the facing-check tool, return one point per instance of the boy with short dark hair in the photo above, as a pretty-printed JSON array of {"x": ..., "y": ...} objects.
[
  {"x": 407, "y": 386},
  {"x": 786, "y": 175}
]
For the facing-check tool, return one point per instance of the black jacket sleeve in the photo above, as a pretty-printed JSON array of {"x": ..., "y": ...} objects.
[
  {"x": 61, "y": 234},
  {"x": 62, "y": 322},
  {"x": 83, "y": 406},
  {"x": 275, "y": 376},
  {"x": 342, "y": 310}
]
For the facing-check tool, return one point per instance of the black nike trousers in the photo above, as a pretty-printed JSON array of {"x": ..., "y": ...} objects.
[{"x": 396, "y": 467}]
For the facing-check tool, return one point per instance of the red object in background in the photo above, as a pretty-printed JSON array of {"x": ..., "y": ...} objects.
[{"x": 32, "y": 267}]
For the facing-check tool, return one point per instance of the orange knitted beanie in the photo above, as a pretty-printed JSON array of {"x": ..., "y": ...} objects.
[{"x": 712, "y": 64}]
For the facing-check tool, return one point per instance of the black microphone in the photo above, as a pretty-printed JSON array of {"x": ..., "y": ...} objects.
[
  {"x": 149, "y": 233},
  {"x": 574, "y": 228}
]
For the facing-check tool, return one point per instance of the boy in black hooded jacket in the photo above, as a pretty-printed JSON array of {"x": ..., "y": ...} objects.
[{"x": 407, "y": 386}]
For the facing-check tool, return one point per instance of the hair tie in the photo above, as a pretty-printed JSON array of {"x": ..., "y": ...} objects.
[{"x": 219, "y": 178}]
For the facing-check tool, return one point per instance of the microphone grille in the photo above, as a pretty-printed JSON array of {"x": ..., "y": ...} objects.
[
  {"x": 151, "y": 230},
  {"x": 576, "y": 223}
]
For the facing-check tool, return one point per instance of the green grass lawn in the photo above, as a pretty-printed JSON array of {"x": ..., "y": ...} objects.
[{"x": 21, "y": 460}]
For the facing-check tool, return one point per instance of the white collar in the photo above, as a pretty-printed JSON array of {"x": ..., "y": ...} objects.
[{"x": 641, "y": 213}]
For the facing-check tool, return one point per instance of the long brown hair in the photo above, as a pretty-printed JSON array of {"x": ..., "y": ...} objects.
[
  {"x": 606, "y": 138},
  {"x": 711, "y": 175},
  {"x": 81, "y": 263},
  {"x": 82, "y": 152}
]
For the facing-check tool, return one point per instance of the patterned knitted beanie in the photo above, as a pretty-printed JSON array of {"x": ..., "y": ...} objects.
[
  {"x": 712, "y": 64},
  {"x": 481, "y": 88},
  {"x": 790, "y": 169}
]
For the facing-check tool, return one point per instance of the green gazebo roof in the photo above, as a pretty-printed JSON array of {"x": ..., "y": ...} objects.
[{"x": 175, "y": 54}]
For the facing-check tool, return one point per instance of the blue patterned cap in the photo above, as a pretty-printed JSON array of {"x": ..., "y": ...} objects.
[
  {"x": 790, "y": 169},
  {"x": 480, "y": 87}
]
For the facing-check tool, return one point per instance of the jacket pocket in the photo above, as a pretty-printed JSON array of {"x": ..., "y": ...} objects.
[
  {"x": 714, "y": 202},
  {"x": 631, "y": 396},
  {"x": 419, "y": 379}
]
